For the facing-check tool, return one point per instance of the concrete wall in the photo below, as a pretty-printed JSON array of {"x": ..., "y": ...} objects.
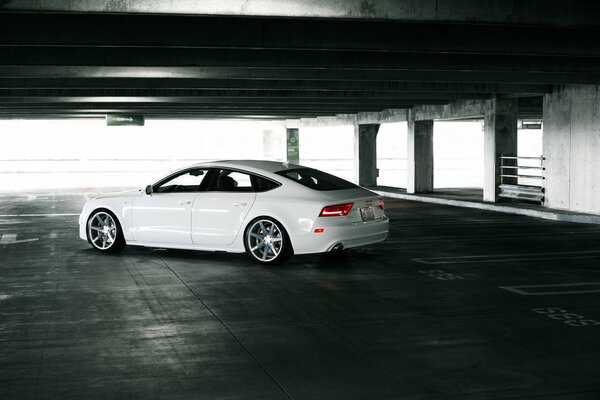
[
  {"x": 459, "y": 109},
  {"x": 386, "y": 116},
  {"x": 572, "y": 148}
]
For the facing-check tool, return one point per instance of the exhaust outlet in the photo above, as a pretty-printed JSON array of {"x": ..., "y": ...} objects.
[{"x": 337, "y": 247}]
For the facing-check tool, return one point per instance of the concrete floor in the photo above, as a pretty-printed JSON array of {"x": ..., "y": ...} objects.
[{"x": 436, "y": 312}]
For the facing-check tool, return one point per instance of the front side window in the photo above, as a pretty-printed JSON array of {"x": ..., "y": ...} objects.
[
  {"x": 315, "y": 179},
  {"x": 186, "y": 182}
]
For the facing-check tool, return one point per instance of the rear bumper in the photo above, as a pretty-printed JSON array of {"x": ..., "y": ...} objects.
[{"x": 347, "y": 234}]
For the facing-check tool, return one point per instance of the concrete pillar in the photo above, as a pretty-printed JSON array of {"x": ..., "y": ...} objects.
[
  {"x": 293, "y": 145},
  {"x": 572, "y": 147},
  {"x": 420, "y": 155},
  {"x": 366, "y": 153},
  {"x": 500, "y": 138}
]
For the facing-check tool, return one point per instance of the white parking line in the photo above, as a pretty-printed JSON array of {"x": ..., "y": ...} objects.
[
  {"x": 11, "y": 238},
  {"x": 592, "y": 287},
  {"x": 508, "y": 257},
  {"x": 39, "y": 215}
]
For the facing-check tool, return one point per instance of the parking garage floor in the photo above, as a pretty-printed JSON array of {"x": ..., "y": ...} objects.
[{"x": 457, "y": 304}]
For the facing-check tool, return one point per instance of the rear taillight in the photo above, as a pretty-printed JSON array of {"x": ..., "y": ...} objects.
[
  {"x": 382, "y": 204},
  {"x": 336, "y": 210}
]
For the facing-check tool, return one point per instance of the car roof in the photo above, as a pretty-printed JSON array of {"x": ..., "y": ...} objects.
[{"x": 253, "y": 165}]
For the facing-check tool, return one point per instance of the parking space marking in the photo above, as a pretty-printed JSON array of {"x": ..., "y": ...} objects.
[
  {"x": 556, "y": 289},
  {"x": 441, "y": 275},
  {"x": 509, "y": 257},
  {"x": 568, "y": 318}
]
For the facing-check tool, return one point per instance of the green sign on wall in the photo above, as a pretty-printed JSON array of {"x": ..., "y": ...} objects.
[
  {"x": 293, "y": 145},
  {"x": 124, "y": 120}
]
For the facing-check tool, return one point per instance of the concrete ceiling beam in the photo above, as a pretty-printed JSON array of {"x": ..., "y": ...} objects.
[
  {"x": 202, "y": 96},
  {"x": 270, "y": 85},
  {"x": 226, "y": 73},
  {"x": 294, "y": 34},
  {"x": 535, "y": 12},
  {"x": 283, "y": 59}
]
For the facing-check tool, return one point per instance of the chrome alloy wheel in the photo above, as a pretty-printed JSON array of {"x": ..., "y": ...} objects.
[
  {"x": 102, "y": 230},
  {"x": 265, "y": 240}
]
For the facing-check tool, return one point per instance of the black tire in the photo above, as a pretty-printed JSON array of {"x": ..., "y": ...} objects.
[
  {"x": 259, "y": 235},
  {"x": 104, "y": 231}
]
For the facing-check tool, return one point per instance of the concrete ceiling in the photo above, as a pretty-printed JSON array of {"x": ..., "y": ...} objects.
[{"x": 226, "y": 59}]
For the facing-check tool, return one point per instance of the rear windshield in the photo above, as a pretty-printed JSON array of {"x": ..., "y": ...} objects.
[{"x": 315, "y": 179}]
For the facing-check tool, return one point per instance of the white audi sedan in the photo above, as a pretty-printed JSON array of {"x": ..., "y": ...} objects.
[{"x": 270, "y": 210}]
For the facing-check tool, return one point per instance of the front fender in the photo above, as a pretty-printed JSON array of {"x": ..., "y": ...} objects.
[{"x": 120, "y": 207}]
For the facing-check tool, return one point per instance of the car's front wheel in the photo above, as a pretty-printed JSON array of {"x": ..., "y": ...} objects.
[
  {"x": 104, "y": 232},
  {"x": 267, "y": 242}
]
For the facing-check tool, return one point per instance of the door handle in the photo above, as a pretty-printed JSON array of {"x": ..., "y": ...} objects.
[
  {"x": 184, "y": 202},
  {"x": 240, "y": 203}
]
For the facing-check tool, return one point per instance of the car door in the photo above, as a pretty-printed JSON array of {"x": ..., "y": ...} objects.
[
  {"x": 219, "y": 212},
  {"x": 164, "y": 216}
]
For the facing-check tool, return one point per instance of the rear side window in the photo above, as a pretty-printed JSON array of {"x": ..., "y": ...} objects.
[
  {"x": 315, "y": 179},
  {"x": 226, "y": 180},
  {"x": 262, "y": 184}
]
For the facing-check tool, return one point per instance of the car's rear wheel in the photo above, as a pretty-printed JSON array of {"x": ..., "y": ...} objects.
[
  {"x": 104, "y": 232},
  {"x": 267, "y": 242}
]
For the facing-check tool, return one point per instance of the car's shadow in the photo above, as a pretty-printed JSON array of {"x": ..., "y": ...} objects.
[{"x": 345, "y": 259}]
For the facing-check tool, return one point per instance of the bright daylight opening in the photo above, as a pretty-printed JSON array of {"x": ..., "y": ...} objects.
[
  {"x": 329, "y": 149},
  {"x": 391, "y": 154},
  {"x": 529, "y": 142},
  {"x": 85, "y": 153},
  {"x": 458, "y": 154}
]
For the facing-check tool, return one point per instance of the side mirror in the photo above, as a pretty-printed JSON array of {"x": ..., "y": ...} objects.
[{"x": 149, "y": 189}]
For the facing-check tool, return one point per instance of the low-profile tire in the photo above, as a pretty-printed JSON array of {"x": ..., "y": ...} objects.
[
  {"x": 267, "y": 242},
  {"x": 104, "y": 232}
]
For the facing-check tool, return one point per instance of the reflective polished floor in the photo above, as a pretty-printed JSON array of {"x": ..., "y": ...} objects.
[{"x": 457, "y": 304}]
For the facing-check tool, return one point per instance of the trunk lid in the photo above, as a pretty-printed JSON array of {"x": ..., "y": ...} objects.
[{"x": 366, "y": 203}]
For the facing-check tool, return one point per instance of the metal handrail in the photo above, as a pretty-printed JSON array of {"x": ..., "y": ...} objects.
[
  {"x": 522, "y": 167},
  {"x": 522, "y": 158},
  {"x": 523, "y": 176},
  {"x": 513, "y": 189}
]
